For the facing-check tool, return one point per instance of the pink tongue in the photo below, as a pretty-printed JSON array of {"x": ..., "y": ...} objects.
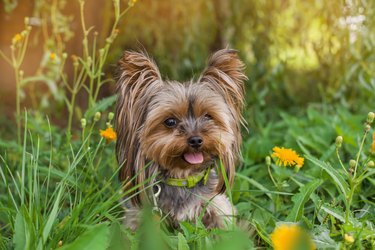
[{"x": 194, "y": 158}]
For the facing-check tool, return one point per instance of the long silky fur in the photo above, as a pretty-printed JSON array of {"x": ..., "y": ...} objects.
[
  {"x": 224, "y": 74},
  {"x": 138, "y": 81},
  {"x": 145, "y": 101}
]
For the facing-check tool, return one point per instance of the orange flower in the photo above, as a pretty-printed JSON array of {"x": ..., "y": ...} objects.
[
  {"x": 109, "y": 134},
  {"x": 52, "y": 56},
  {"x": 291, "y": 237},
  {"x": 16, "y": 38},
  {"x": 287, "y": 157},
  {"x": 373, "y": 144}
]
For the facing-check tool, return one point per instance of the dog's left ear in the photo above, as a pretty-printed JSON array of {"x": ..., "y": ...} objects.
[{"x": 224, "y": 74}]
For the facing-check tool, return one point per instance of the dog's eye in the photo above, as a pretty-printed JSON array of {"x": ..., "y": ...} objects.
[
  {"x": 207, "y": 117},
  {"x": 170, "y": 122}
]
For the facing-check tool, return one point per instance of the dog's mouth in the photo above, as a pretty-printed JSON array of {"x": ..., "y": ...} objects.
[{"x": 194, "y": 158}]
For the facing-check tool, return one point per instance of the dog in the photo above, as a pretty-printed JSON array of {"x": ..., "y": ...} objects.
[{"x": 181, "y": 139}]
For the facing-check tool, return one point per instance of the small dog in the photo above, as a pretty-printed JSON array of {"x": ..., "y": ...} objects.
[{"x": 182, "y": 136}]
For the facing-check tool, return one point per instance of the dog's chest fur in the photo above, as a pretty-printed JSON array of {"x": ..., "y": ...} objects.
[{"x": 182, "y": 203}]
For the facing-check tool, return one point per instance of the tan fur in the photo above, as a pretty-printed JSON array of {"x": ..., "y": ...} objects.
[{"x": 209, "y": 108}]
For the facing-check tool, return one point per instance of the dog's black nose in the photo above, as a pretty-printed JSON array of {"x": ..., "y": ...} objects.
[{"x": 195, "y": 141}]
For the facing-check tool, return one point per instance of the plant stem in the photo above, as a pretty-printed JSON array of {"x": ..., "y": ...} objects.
[
  {"x": 359, "y": 153},
  {"x": 341, "y": 164}
]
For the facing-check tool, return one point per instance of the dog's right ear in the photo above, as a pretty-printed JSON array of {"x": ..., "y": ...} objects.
[{"x": 138, "y": 81}]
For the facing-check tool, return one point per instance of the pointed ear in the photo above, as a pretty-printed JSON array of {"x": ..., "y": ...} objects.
[
  {"x": 225, "y": 75},
  {"x": 138, "y": 81}
]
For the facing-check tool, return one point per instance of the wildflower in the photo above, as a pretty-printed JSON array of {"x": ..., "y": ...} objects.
[
  {"x": 83, "y": 122},
  {"x": 370, "y": 117},
  {"x": 348, "y": 238},
  {"x": 16, "y": 38},
  {"x": 52, "y": 56},
  {"x": 339, "y": 140},
  {"x": 110, "y": 116},
  {"x": 109, "y": 134},
  {"x": 132, "y": 2},
  {"x": 373, "y": 144},
  {"x": 370, "y": 164},
  {"x": 60, "y": 243},
  {"x": 97, "y": 116},
  {"x": 367, "y": 128},
  {"x": 268, "y": 161},
  {"x": 287, "y": 157},
  {"x": 291, "y": 237},
  {"x": 352, "y": 163}
]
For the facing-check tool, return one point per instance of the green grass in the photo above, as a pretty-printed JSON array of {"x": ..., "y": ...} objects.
[
  {"x": 55, "y": 191},
  {"x": 58, "y": 180}
]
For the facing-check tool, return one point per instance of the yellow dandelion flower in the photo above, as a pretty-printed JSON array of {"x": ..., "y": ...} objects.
[
  {"x": 52, "y": 56},
  {"x": 291, "y": 237},
  {"x": 109, "y": 134},
  {"x": 348, "y": 238},
  {"x": 16, "y": 38},
  {"x": 132, "y": 2},
  {"x": 287, "y": 157}
]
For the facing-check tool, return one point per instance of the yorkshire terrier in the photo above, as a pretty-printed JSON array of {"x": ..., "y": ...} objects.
[{"x": 181, "y": 139}]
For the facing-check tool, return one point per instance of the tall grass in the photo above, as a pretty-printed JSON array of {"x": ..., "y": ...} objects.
[{"x": 59, "y": 186}]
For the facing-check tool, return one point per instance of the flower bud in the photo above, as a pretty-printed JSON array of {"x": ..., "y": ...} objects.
[
  {"x": 21, "y": 73},
  {"x": 132, "y": 2},
  {"x": 352, "y": 163},
  {"x": 97, "y": 116},
  {"x": 101, "y": 52},
  {"x": 110, "y": 116},
  {"x": 83, "y": 122},
  {"x": 370, "y": 164},
  {"x": 348, "y": 238},
  {"x": 370, "y": 117},
  {"x": 52, "y": 56},
  {"x": 89, "y": 61},
  {"x": 64, "y": 55},
  {"x": 27, "y": 20},
  {"x": 268, "y": 161},
  {"x": 338, "y": 142},
  {"x": 367, "y": 127}
]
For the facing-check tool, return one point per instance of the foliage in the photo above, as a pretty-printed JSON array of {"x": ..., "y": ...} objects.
[{"x": 308, "y": 63}]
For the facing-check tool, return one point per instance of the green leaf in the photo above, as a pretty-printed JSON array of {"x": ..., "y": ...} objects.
[
  {"x": 52, "y": 217},
  {"x": 182, "y": 243},
  {"x": 301, "y": 198},
  {"x": 334, "y": 211},
  {"x": 118, "y": 239},
  {"x": 100, "y": 106},
  {"x": 322, "y": 238},
  {"x": 20, "y": 235},
  {"x": 338, "y": 178},
  {"x": 95, "y": 238},
  {"x": 255, "y": 184}
]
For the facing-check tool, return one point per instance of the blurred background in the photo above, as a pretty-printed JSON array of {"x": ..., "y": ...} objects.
[
  {"x": 311, "y": 70},
  {"x": 296, "y": 52}
]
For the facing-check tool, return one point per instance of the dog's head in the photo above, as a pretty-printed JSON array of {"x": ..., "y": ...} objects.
[{"x": 180, "y": 128}]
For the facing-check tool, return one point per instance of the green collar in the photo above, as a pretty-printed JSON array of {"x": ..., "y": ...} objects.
[{"x": 190, "y": 181}]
